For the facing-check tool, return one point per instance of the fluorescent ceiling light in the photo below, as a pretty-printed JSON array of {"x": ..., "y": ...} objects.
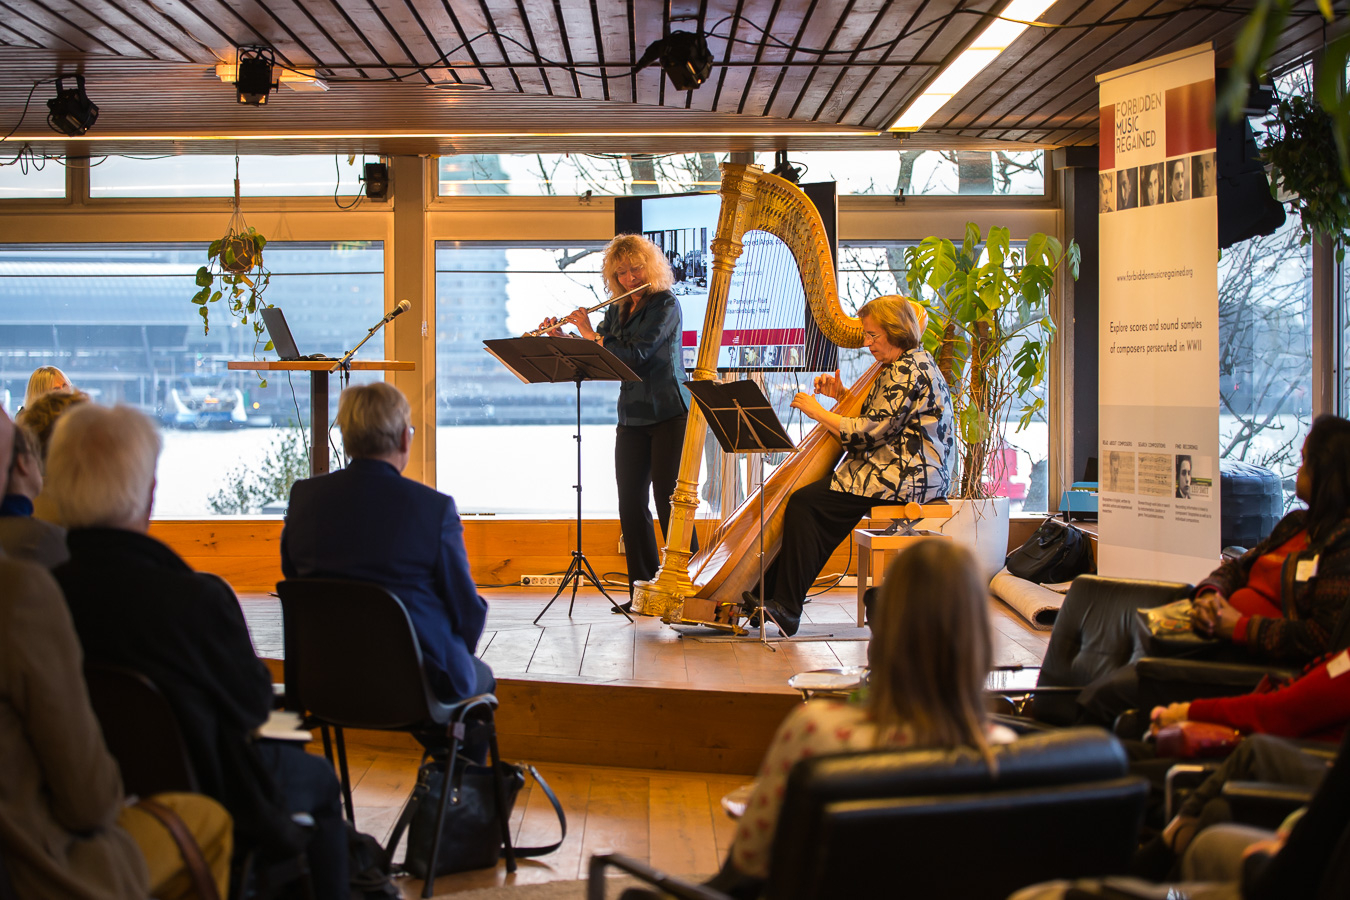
[
  {"x": 306, "y": 80},
  {"x": 982, "y": 51}
]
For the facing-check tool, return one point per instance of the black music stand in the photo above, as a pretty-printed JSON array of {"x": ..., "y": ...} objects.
[
  {"x": 743, "y": 421},
  {"x": 546, "y": 360}
]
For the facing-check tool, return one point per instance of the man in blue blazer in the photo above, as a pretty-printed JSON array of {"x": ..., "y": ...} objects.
[{"x": 368, "y": 523}]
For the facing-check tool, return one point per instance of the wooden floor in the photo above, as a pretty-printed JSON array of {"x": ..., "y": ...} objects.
[
  {"x": 672, "y": 819},
  {"x": 595, "y": 645}
]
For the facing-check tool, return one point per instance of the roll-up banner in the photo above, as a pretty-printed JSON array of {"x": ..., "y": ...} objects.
[{"x": 1159, "y": 341}]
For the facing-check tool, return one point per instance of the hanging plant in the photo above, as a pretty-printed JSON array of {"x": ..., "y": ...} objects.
[
  {"x": 1302, "y": 151},
  {"x": 235, "y": 273}
]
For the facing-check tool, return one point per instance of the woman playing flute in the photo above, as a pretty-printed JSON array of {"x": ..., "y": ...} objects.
[{"x": 645, "y": 331}]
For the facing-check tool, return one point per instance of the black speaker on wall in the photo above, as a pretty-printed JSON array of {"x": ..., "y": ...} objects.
[{"x": 1246, "y": 207}]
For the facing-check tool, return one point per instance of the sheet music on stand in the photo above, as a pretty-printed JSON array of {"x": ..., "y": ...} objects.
[
  {"x": 740, "y": 416},
  {"x": 743, "y": 421}
]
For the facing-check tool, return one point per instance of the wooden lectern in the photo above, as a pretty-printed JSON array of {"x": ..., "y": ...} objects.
[{"x": 319, "y": 370}]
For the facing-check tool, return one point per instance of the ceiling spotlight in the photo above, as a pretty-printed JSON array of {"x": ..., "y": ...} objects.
[
  {"x": 685, "y": 58},
  {"x": 255, "y": 80},
  {"x": 784, "y": 169},
  {"x": 72, "y": 113}
]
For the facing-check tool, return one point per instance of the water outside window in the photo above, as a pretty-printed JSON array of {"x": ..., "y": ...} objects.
[{"x": 119, "y": 321}]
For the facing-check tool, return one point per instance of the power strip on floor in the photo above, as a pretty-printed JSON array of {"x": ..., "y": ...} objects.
[{"x": 541, "y": 580}]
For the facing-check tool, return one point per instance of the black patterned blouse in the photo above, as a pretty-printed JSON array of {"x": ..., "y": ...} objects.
[{"x": 901, "y": 447}]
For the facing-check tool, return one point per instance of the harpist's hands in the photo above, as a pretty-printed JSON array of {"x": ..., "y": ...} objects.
[
  {"x": 809, "y": 405},
  {"x": 828, "y": 385}
]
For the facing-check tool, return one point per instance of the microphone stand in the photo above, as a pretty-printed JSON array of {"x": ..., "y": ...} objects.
[{"x": 343, "y": 363}]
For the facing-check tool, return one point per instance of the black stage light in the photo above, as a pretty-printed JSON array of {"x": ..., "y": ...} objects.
[
  {"x": 377, "y": 181},
  {"x": 254, "y": 79},
  {"x": 784, "y": 169},
  {"x": 72, "y": 112},
  {"x": 685, "y": 58}
]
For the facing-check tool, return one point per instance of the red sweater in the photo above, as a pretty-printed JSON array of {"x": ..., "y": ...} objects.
[{"x": 1315, "y": 705}]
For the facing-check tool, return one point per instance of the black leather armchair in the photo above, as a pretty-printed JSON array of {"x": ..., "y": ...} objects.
[
  {"x": 1097, "y": 633},
  {"x": 943, "y": 823}
]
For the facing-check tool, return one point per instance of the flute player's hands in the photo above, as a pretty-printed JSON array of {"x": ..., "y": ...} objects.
[
  {"x": 581, "y": 318},
  {"x": 554, "y": 326}
]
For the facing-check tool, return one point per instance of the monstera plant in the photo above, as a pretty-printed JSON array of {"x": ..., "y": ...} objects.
[{"x": 989, "y": 328}]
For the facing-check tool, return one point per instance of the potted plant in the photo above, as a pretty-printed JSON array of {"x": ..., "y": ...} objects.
[
  {"x": 989, "y": 328},
  {"x": 234, "y": 272},
  {"x": 1304, "y": 156}
]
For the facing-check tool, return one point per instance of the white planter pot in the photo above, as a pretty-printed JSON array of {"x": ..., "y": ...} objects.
[{"x": 980, "y": 526}]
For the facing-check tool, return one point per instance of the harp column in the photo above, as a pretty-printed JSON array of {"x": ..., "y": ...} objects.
[{"x": 664, "y": 595}]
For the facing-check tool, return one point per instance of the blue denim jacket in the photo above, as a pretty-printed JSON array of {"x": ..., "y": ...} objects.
[{"x": 649, "y": 343}]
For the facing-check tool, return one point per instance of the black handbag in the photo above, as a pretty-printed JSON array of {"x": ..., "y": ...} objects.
[
  {"x": 1057, "y": 552},
  {"x": 471, "y": 837}
]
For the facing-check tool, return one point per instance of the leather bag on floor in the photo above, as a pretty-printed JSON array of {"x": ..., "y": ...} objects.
[{"x": 471, "y": 838}]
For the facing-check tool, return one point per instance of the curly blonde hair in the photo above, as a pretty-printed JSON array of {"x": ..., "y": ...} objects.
[{"x": 636, "y": 250}]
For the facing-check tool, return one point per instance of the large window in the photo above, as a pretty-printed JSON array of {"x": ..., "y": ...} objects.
[
  {"x": 119, "y": 321},
  {"x": 1265, "y": 351},
  {"x": 213, "y": 176},
  {"x": 887, "y": 173},
  {"x": 29, "y": 178}
]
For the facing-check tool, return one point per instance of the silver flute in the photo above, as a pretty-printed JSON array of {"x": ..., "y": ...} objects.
[{"x": 596, "y": 308}]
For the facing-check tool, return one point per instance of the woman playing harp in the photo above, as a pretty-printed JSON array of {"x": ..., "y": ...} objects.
[{"x": 899, "y": 450}]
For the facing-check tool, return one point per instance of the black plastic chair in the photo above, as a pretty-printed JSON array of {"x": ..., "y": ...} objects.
[
  {"x": 353, "y": 661},
  {"x": 942, "y": 823},
  {"x": 141, "y": 731}
]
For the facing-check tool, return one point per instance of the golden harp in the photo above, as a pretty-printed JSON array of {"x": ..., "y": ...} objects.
[{"x": 707, "y": 588}]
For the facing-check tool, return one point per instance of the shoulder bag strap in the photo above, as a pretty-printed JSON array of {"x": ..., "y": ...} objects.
[
  {"x": 200, "y": 873},
  {"x": 557, "y": 808}
]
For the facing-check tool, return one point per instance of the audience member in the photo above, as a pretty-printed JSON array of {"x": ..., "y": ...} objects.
[
  {"x": 1306, "y": 858},
  {"x": 368, "y": 523},
  {"x": 136, "y": 603},
  {"x": 45, "y": 380},
  {"x": 64, "y": 823},
  {"x": 1280, "y": 601},
  {"x": 1315, "y": 705},
  {"x": 21, "y": 535},
  {"x": 930, "y": 654},
  {"x": 40, "y": 416}
]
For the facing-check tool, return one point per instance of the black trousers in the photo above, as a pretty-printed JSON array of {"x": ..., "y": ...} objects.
[
  {"x": 475, "y": 744},
  {"x": 816, "y": 521},
  {"x": 647, "y": 463},
  {"x": 308, "y": 784}
]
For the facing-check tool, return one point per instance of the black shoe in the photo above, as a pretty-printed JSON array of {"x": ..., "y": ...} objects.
[
  {"x": 622, "y": 608},
  {"x": 749, "y": 602},
  {"x": 787, "y": 622}
]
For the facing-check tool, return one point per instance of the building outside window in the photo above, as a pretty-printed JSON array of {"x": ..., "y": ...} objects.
[{"x": 119, "y": 321}]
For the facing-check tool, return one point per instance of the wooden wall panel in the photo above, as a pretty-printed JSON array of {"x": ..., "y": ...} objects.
[{"x": 246, "y": 552}]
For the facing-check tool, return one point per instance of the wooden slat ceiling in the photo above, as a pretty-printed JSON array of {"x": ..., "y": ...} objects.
[{"x": 557, "y": 74}]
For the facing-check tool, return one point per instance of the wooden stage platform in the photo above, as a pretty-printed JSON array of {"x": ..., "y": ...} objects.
[{"x": 593, "y": 689}]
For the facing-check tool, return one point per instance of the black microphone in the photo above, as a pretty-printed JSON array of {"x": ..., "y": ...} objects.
[{"x": 403, "y": 306}]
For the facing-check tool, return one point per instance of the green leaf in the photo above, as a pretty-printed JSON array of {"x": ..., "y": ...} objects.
[
  {"x": 259, "y": 241},
  {"x": 263, "y": 382},
  {"x": 974, "y": 425},
  {"x": 204, "y": 277},
  {"x": 268, "y": 346},
  {"x": 200, "y": 297},
  {"x": 214, "y": 250}
]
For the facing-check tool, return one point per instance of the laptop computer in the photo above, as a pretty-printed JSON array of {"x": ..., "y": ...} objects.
[{"x": 282, "y": 340}]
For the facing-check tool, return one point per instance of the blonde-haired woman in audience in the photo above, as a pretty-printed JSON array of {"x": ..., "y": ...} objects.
[
  {"x": 44, "y": 380},
  {"x": 39, "y": 422},
  {"x": 930, "y": 654}
]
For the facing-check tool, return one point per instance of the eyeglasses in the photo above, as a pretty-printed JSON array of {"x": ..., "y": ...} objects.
[{"x": 871, "y": 337}]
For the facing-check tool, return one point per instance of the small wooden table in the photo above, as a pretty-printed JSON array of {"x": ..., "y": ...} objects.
[
  {"x": 319, "y": 370},
  {"x": 873, "y": 545}
]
